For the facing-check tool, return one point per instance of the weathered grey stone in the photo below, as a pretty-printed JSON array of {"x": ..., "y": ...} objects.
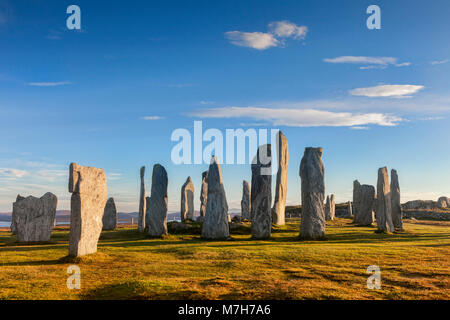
[
  {"x": 349, "y": 209},
  {"x": 157, "y": 203},
  {"x": 13, "y": 227},
  {"x": 261, "y": 193},
  {"x": 330, "y": 208},
  {"x": 364, "y": 203},
  {"x": 142, "y": 202},
  {"x": 278, "y": 210},
  {"x": 443, "y": 202},
  {"x": 384, "y": 208},
  {"x": 215, "y": 224},
  {"x": 88, "y": 188},
  {"x": 313, "y": 192},
  {"x": 187, "y": 200},
  {"x": 33, "y": 217},
  {"x": 245, "y": 202},
  {"x": 203, "y": 194},
  {"x": 396, "y": 206},
  {"x": 110, "y": 215}
]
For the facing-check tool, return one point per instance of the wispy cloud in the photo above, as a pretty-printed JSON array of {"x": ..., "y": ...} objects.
[
  {"x": 13, "y": 173},
  {"x": 370, "y": 62},
  {"x": 359, "y": 128},
  {"x": 49, "y": 84},
  {"x": 152, "y": 118},
  {"x": 390, "y": 90},
  {"x": 439, "y": 62},
  {"x": 278, "y": 32},
  {"x": 300, "y": 117}
]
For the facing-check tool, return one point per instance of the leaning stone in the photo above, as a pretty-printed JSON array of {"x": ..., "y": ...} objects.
[
  {"x": 245, "y": 202},
  {"x": 187, "y": 200},
  {"x": 313, "y": 193},
  {"x": 395, "y": 202},
  {"x": 157, "y": 203},
  {"x": 203, "y": 194},
  {"x": 110, "y": 215},
  {"x": 364, "y": 203},
  {"x": 88, "y": 188},
  {"x": 278, "y": 210},
  {"x": 142, "y": 202},
  {"x": 261, "y": 193},
  {"x": 34, "y": 217},
  {"x": 215, "y": 225},
  {"x": 384, "y": 206}
]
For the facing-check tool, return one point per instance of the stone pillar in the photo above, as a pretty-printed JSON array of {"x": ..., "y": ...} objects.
[
  {"x": 279, "y": 206},
  {"x": 215, "y": 224},
  {"x": 349, "y": 209},
  {"x": 364, "y": 202},
  {"x": 245, "y": 202},
  {"x": 157, "y": 203},
  {"x": 33, "y": 217},
  {"x": 384, "y": 206},
  {"x": 110, "y": 215},
  {"x": 261, "y": 193},
  {"x": 142, "y": 202},
  {"x": 332, "y": 207},
  {"x": 88, "y": 188},
  {"x": 203, "y": 194},
  {"x": 395, "y": 202},
  {"x": 187, "y": 200},
  {"x": 313, "y": 192}
]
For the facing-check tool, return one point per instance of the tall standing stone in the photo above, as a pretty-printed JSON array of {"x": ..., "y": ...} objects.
[
  {"x": 110, "y": 215},
  {"x": 203, "y": 194},
  {"x": 279, "y": 206},
  {"x": 384, "y": 206},
  {"x": 142, "y": 202},
  {"x": 187, "y": 200},
  {"x": 313, "y": 192},
  {"x": 157, "y": 203},
  {"x": 88, "y": 188},
  {"x": 330, "y": 208},
  {"x": 364, "y": 203},
  {"x": 261, "y": 193},
  {"x": 245, "y": 202},
  {"x": 33, "y": 217},
  {"x": 395, "y": 202},
  {"x": 349, "y": 209},
  {"x": 215, "y": 225}
]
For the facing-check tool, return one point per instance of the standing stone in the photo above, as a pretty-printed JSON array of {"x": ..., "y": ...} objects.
[
  {"x": 13, "y": 227},
  {"x": 384, "y": 206},
  {"x": 203, "y": 194},
  {"x": 110, "y": 215},
  {"x": 279, "y": 206},
  {"x": 215, "y": 225},
  {"x": 349, "y": 209},
  {"x": 364, "y": 202},
  {"x": 327, "y": 208},
  {"x": 330, "y": 208},
  {"x": 261, "y": 193},
  {"x": 187, "y": 200},
  {"x": 313, "y": 192},
  {"x": 157, "y": 203},
  {"x": 245, "y": 202},
  {"x": 33, "y": 217},
  {"x": 88, "y": 188},
  {"x": 395, "y": 202},
  {"x": 142, "y": 203}
]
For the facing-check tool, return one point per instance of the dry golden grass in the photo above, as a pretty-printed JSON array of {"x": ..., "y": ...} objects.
[{"x": 414, "y": 265}]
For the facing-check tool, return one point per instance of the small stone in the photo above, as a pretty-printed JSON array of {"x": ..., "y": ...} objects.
[
  {"x": 187, "y": 200},
  {"x": 245, "y": 202},
  {"x": 330, "y": 208},
  {"x": 157, "y": 203},
  {"x": 110, "y": 215},
  {"x": 203, "y": 194}
]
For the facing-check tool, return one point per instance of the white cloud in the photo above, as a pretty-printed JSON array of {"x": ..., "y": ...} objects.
[
  {"x": 286, "y": 29},
  {"x": 255, "y": 40},
  {"x": 390, "y": 90},
  {"x": 300, "y": 117},
  {"x": 13, "y": 173},
  {"x": 404, "y": 64},
  {"x": 359, "y": 128},
  {"x": 362, "y": 60},
  {"x": 439, "y": 62},
  {"x": 48, "y": 84},
  {"x": 152, "y": 118}
]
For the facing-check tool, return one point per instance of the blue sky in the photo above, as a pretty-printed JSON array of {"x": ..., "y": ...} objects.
[{"x": 370, "y": 98}]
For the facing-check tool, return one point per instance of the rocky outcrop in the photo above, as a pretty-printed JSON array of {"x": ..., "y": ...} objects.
[
  {"x": 395, "y": 202},
  {"x": 364, "y": 203},
  {"x": 142, "y": 202},
  {"x": 203, "y": 194},
  {"x": 33, "y": 217},
  {"x": 110, "y": 215},
  {"x": 420, "y": 204},
  {"x": 245, "y": 202},
  {"x": 384, "y": 206},
  {"x": 187, "y": 200},
  {"x": 261, "y": 193},
  {"x": 215, "y": 224},
  {"x": 278, "y": 210},
  {"x": 312, "y": 175},
  {"x": 88, "y": 188},
  {"x": 157, "y": 203}
]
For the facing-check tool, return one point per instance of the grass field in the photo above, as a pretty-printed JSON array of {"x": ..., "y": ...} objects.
[{"x": 414, "y": 265}]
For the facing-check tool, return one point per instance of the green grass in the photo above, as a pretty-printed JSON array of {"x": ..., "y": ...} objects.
[{"x": 414, "y": 265}]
